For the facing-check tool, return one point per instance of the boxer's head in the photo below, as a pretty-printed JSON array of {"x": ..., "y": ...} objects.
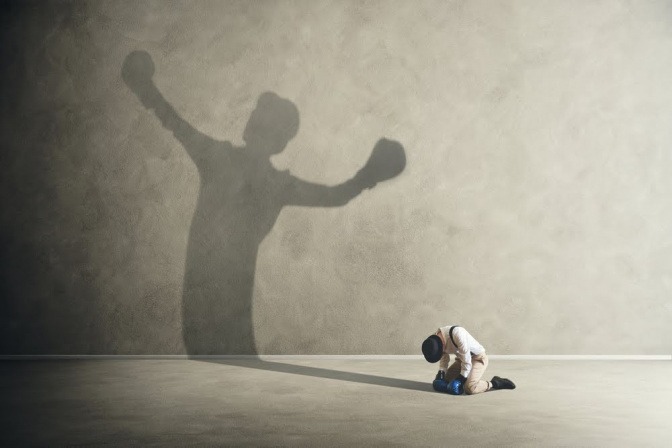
[
  {"x": 272, "y": 124},
  {"x": 432, "y": 348}
]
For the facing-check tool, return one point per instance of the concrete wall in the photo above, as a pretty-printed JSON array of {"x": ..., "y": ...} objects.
[{"x": 535, "y": 206}]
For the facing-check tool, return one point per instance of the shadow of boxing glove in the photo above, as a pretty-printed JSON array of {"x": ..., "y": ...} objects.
[
  {"x": 386, "y": 161},
  {"x": 138, "y": 69},
  {"x": 137, "y": 73}
]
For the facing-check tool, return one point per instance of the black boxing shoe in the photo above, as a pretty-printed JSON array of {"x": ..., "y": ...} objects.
[{"x": 502, "y": 383}]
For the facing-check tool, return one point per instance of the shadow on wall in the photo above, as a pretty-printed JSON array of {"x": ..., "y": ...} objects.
[{"x": 241, "y": 195}]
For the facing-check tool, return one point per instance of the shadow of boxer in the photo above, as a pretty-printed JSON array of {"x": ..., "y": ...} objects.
[{"x": 240, "y": 197}]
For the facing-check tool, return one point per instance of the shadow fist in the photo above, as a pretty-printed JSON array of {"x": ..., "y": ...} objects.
[
  {"x": 386, "y": 161},
  {"x": 137, "y": 71}
]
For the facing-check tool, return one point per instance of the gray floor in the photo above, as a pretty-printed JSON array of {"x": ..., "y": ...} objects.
[{"x": 331, "y": 402}]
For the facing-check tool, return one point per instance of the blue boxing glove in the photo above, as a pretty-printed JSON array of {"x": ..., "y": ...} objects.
[
  {"x": 456, "y": 387},
  {"x": 440, "y": 384}
]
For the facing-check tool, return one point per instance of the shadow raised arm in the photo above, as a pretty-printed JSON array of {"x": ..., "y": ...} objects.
[
  {"x": 387, "y": 160},
  {"x": 137, "y": 73}
]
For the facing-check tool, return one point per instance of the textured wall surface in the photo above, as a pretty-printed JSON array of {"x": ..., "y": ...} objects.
[{"x": 150, "y": 205}]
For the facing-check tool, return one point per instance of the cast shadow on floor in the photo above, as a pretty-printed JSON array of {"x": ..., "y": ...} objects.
[{"x": 319, "y": 372}]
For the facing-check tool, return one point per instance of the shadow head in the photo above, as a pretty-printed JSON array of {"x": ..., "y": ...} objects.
[{"x": 272, "y": 124}]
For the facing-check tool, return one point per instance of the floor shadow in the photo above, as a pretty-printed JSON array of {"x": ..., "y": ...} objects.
[
  {"x": 319, "y": 372},
  {"x": 240, "y": 197}
]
